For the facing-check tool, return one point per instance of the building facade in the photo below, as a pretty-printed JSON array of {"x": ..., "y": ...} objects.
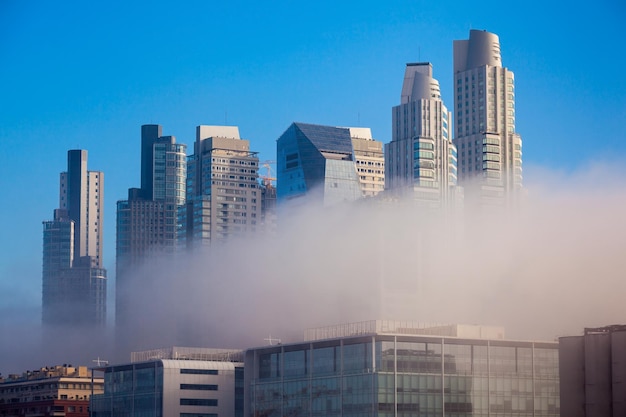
[
  {"x": 223, "y": 195},
  {"x": 146, "y": 223},
  {"x": 421, "y": 160},
  {"x": 328, "y": 164},
  {"x": 593, "y": 373},
  {"x": 181, "y": 382},
  {"x": 74, "y": 281},
  {"x": 54, "y": 391},
  {"x": 490, "y": 149},
  {"x": 383, "y": 368}
]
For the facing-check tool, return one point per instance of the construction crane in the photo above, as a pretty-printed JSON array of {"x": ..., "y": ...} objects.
[{"x": 267, "y": 179}]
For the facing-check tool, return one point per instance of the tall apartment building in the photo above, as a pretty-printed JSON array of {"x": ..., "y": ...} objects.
[
  {"x": 328, "y": 164},
  {"x": 147, "y": 220},
  {"x": 399, "y": 368},
  {"x": 223, "y": 195},
  {"x": 421, "y": 160},
  {"x": 74, "y": 282},
  {"x": 490, "y": 150}
]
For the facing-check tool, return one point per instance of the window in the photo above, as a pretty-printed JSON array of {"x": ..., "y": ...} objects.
[
  {"x": 199, "y": 401},
  {"x": 198, "y": 415},
  {"x": 199, "y": 371},
  {"x": 200, "y": 387}
]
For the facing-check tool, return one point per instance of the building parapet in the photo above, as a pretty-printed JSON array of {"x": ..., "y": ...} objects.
[
  {"x": 189, "y": 353},
  {"x": 56, "y": 371},
  {"x": 404, "y": 328}
]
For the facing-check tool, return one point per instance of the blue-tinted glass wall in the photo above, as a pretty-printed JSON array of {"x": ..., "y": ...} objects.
[
  {"x": 316, "y": 161},
  {"x": 404, "y": 376}
]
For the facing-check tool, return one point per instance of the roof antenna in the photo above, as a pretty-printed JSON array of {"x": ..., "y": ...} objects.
[
  {"x": 271, "y": 340},
  {"x": 419, "y": 54},
  {"x": 225, "y": 117}
]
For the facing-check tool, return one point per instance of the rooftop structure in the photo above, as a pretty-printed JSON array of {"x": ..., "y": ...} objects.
[
  {"x": 189, "y": 353},
  {"x": 404, "y": 328}
]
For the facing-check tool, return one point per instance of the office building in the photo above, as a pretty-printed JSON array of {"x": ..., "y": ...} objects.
[
  {"x": 185, "y": 382},
  {"x": 74, "y": 282},
  {"x": 50, "y": 391},
  {"x": 328, "y": 164},
  {"x": 421, "y": 160},
  {"x": 592, "y": 369},
  {"x": 146, "y": 224},
  {"x": 223, "y": 196},
  {"x": 490, "y": 149},
  {"x": 393, "y": 368}
]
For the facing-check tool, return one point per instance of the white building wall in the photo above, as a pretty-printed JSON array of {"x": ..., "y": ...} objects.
[{"x": 224, "y": 380}]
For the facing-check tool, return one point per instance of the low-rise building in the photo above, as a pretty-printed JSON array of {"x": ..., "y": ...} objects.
[
  {"x": 395, "y": 368},
  {"x": 50, "y": 391},
  {"x": 179, "y": 381}
]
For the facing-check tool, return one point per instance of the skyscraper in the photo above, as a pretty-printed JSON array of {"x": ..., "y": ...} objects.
[
  {"x": 223, "y": 196},
  {"x": 74, "y": 282},
  {"x": 328, "y": 164},
  {"x": 146, "y": 221},
  {"x": 421, "y": 160},
  {"x": 490, "y": 150}
]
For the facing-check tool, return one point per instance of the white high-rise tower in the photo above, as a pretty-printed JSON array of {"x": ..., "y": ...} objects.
[
  {"x": 421, "y": 160},
  {"x": 489, "y": 149}
]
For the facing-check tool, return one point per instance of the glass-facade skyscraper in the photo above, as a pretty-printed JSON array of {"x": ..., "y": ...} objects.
[
  {"x": 421, "y": 160},
  {"x": 74, "y": 281},
  {"x": 328, "y": 164},
  {"x": 146, "y": 221},
  {"x": 398, "y": 369},
  {"x": 490, "y": 149}
]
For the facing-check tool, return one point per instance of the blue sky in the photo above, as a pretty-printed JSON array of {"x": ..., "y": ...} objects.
[{"x": 89, "y": 74}]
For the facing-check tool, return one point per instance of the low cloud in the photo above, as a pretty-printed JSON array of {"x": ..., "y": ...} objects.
[{"x": 550, "y": 268}]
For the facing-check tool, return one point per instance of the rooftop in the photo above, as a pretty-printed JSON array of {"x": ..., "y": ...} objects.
[
  {"x": 57, "y": 371},
  {"x": 405, "y": 328},
  {"x": 189, "y": 353}
]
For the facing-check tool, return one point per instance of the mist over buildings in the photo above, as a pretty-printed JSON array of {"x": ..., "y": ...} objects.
[{"x": 551, "y": 268}]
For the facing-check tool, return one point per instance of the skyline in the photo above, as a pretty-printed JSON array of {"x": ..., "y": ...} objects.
[{"x": 73, "y": 81}]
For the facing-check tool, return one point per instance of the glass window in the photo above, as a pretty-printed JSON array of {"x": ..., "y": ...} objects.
[{"x": 357, "y": 357}]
